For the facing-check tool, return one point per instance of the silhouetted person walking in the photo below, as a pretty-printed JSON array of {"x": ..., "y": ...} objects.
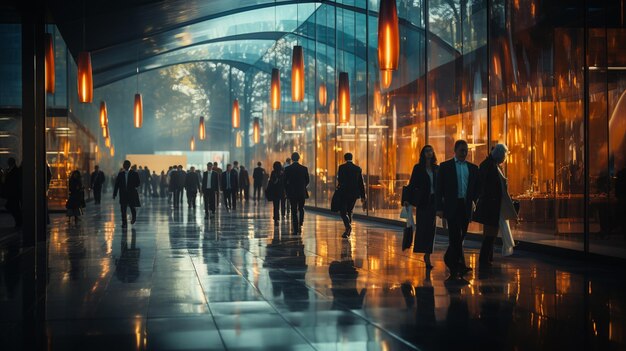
[
  {"x": 126, "y": 183},
  {"x": 217, "y": 170},
  {"x": 296, "y": 181},
  {"x": 244, "y": 182},
  {"x": 257, "y": 180},
  {"x": 180, "y": 185},
  {"x": 351, "y": 187},
  {"x": 173, "y": 186},
  {"x": 229, "y": 187},
  {"x": 422, "y": 195},
  {"x": 275, "y": 191},
  {"x": 13, "y": 191},
  {"x": 97, "y": 179},
  {"x": 192, "y": 185},
  {"x": 284, "y": 203},
  {"x": 210, "y": 188},
  {"x": 163, "y": 183},
  {"x": 455, "y": 195},
  {"x": 76, "y": 198}
]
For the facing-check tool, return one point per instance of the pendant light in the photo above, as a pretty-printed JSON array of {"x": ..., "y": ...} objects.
[
  {"x": 275, "y": 84},
  {"x": 238, "y": 140},
  {"x": 235, "y": 113},
  {"x": 138, "y": 111},
  {"x": 201, "y": 129},
  {"x": 105, "y": 132},
  {"x": 344, "y": 98},
  {"x": 192, "y": 143},
  {"x": 49, "y": 64},
  {"x": 294, "y": 122},
  {"x": 256, "y": 131},
  {"x": 388, "y": 36},
  {"x": 112, "y": 150},
  {"x": 322, "y": 94},
  {"x": 107, "y": 142},
  {"x": 385, "y": 79},
  {"x": 275, "y": 89},
  {"x": 104, "y": 118},
  {"x": 297, "y": 68},
  {"x": 85, "y": 78}
]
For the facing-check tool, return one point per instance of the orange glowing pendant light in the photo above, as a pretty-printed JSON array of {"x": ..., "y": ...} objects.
[
  {"x": 322, "y": 94},
  {"x": 238, "y": 140},
  {"x": 112, "y": 151},
  {"x": 49, "y": 64},
  {"x": 138, "y": 111},
  {"x": 192, "y": 143},
  {"x": 297, "y": 74},
  {"x": 275, "y": 89},
  {"x": 236, "y": 116},
  {"x": 107, "y": 142},
  {"x": 344, "y": 98},
  {"x": 105, "y": 131},
  {"x": 388, "y": 36},
  {"x": 104, "y": 118},
  {"x": 256, "y": 131},
  {"x": 85, "y": 78},
  {"x": 201, "y": 129}
]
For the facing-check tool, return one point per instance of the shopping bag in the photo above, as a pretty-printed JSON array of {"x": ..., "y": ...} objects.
[
  {"x": 404, "y": 213},
  {"x": 407, "y": 238}
]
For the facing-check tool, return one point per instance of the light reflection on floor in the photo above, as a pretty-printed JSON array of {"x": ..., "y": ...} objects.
[{"x": 176, "y": 281}]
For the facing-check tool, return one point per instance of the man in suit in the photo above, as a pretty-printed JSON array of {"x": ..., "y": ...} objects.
[
  {"x": 296, "y": 181},
  {"x": 97, "y": 179},
  {"x": 192, "y": 185},
  {"x": 284, "y": 202},
  {"x": 229, "y": 188},
  {"x": 173, "y": 185},
  {"x": 351, "y": 187},
  {"x": 455, "y": 196},
  {"x": 180, "y": 186},
  {"x": 236, "y": 170},
  {"x": 217, "y": 170},
  {"x": 126, "y": 183},
  {"x": 244, "y": 182},
  {"x": 257, "y": 177},
  {"x": 209, "y": 190}
]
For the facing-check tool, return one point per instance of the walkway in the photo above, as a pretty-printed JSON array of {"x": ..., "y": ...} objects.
[{"x": 175, "y": 281}]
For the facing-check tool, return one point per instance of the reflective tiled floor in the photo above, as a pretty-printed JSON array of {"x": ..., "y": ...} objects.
[{"x": 174, "y": 281}]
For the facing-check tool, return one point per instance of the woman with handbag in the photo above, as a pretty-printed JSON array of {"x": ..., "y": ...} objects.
[
  {"x": 76, "y": 199},
  {"x": 275, "y": 191},
  {"x": 495, "y": 207},
  {"x": 421, "y": 190}
]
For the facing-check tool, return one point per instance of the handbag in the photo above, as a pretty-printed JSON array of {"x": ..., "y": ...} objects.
[
  {"x": 406, "y": 194},
  {"x": 516, "y": 205},
  {"x": 335, "y": 202}
]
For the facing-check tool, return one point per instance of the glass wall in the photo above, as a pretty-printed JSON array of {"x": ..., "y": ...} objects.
[{"x": 545, "y": 78}]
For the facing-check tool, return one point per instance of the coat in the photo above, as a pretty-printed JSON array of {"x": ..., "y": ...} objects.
[
  {"x": 76, "y": 197},
  {"x": 419, "y": 185},
  {"x": 446, "y": 193},
  {"x": 234, "y": 185},
  {"x": 257, "y": 176},
  {"x": 244, "y": 178},
  {"x": 350, "y": 182},
  {"x": 192, "y": 182},
  {"x": 214, "y": 181},
  {"x": 128, "y": 194},
  {"x": 296, "y": 181},
  {"x": 97, "y": 179},
  {"x": 276, "y": 186},
  {"x": 488, "y": 208}
]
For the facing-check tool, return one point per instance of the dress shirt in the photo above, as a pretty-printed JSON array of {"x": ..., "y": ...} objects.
[
  {"x": 126, "y": 178},
  {"x": 208, "y": 179},
  {"x": 462, "y": 177},
  {"x": 432, "y": 180}
]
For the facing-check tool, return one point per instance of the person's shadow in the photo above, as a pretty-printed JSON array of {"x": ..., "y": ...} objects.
[
  {"x": 424, "y": 330},
  {"x": 343, "y": 276},
  {"x": 127, "y": 265},
  {"x": 285, "y": 256}
]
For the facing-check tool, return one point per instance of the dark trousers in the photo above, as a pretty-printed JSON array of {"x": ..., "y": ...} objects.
[
  {"x": 133, "y": 212},
  {"x": 14, "y": 206},
  {"x": 209, "y": 201},
  {"x": 176, "y": 198},
  {"x": 246, "y": 192},
  {"x": 297, "y": 213},
  {"x": 276, "y": 209},
  {"x": 180, "y": 196},
  {"x": 230, "y": 198},
  {"x": 257, "y": 191},
  {"x": 457, "y": 229},
  {"x": 489, "y": 239},
  {"x": 97, "y": 195},
  {"x": 284, "y": 205},
  {"x": 191, "y": 198},
  {"x": 346, "y": 212}
]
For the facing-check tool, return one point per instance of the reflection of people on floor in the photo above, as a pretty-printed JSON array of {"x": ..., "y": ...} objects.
[
  {"x": 285, "y": 256},
  {"x": 423, "y": 297},
  {"x": 127, "y": 265},
  {"x": 343, "y": 277},
  {"x": 76, "y": 252}
]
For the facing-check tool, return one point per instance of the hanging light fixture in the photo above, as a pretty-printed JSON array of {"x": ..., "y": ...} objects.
[
  {"x": 344, "y": 98},
  {"x": 49, "y": 64},
  {"x": 85, "y": 78},
  {"x": 192, "y": 143},
  {"x": 201, "y": 129},
  {"x": 275, "y": 89},
  {"x": 107, "y": 142},
  {"x": 256, "y": 131},
  {"x": 238, "y": 140},
  {"x": 112, "y": 149},
  {"x": 297, "y": 74},
  {"x": 385, "y": 79},
  {"x": 388, "y": 36},
  {"x": 322, "y": 94},
  {"x": 105, "y": 131},
  {"x": 294, "y": 122},
  {"x": 235, "y": 113},
  {"x": 138, "y": 111},
  {"x": 104, "y": 118}
]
